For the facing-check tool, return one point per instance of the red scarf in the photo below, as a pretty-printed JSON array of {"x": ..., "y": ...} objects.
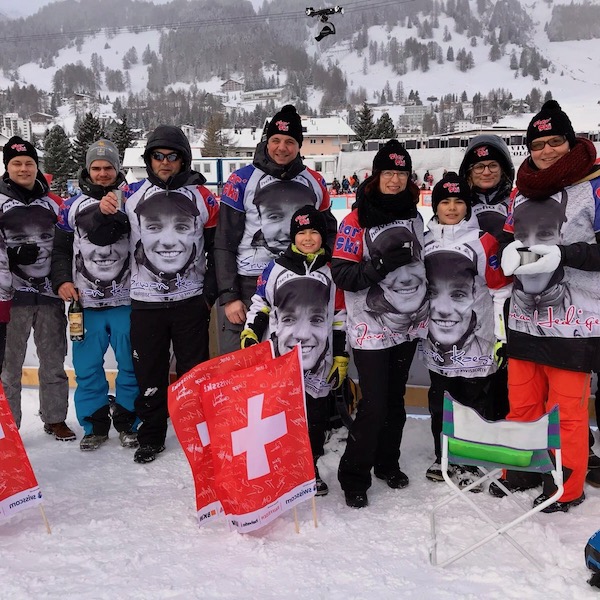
[{"x": 537, "y": 184}]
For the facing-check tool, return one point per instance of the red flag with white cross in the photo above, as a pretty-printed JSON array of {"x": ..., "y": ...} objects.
[
  {"x": 259, "y": 440},
  {"x": 187, "y": 416},
  {"x": 18, "y": 486}
]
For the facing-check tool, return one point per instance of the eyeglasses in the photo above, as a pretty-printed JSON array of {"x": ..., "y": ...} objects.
[
  {"x": 390, "y": 174},
  {"x": 479, "y": 168},
  {"x": 553, "y": 142},
  {"x": 160, "y": 156}
]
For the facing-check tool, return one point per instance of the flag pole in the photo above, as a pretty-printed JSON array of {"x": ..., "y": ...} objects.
[
  {"x": 314, "y": 511},
  {"x": 297, "y": 525},
  {"x": 45, "y": 519}
]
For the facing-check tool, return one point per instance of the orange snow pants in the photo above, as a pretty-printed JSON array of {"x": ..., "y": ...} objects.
[{"x": 532, "y": 390}]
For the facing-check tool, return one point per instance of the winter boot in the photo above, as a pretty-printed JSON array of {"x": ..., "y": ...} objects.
[
  {"x": 128, "y": 439},
  {"x": 558, "y": 506},
  {"x": 395, "y": 479},
  {"x": 61, "y": 431},
  {"x": 356, "y": 499},
  {"x": 92, "y": 441},
  {"x": 322, "y": 487},
  {"x": 147, "y": 453},
  {"x": 465, "y": 476}
]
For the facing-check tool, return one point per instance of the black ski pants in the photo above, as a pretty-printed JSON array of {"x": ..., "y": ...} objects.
[
  {"x": 375, "y": 436},
  {"x": 153, "y": 330}
]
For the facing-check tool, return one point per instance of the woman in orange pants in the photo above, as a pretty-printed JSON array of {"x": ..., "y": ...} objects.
[{"x": 553, "y": 320}]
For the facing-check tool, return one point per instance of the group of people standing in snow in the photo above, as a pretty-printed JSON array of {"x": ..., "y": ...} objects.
[
  {"x": 383, "y": 284},
  {"x": 462, "y": 293}
]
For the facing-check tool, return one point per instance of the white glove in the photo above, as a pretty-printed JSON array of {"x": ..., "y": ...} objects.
[
  {"x": 511, "y": 259},
  {"x": 548, "y": 263}
]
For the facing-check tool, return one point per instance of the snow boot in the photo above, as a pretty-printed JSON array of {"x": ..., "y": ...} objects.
[{"x": 91, "y": 441}]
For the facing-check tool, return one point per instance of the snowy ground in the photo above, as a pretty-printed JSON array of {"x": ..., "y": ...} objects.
[{"x": 123, "y": 530}]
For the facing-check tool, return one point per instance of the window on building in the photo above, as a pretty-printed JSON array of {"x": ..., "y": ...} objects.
[
  {"x": 206, "y": 167},
  {"x": 318, "y": 166}
]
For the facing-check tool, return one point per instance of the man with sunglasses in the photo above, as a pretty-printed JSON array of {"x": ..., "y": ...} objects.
[{"x": 173, "y": 285}]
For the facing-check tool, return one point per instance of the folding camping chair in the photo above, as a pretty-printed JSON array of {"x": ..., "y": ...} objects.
[{"x": 468, "y": 439}]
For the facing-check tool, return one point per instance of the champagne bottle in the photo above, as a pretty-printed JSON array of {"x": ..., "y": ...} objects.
[{"x": 76, "y": 331}]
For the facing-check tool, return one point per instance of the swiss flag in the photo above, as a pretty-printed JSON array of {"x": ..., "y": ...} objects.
[
  {"x": 259, "y": 440},
  {"x": 18, "y": 486},
  {"x": 187, "y": 416}
]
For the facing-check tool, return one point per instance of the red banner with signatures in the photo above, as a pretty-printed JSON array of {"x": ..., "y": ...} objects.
[
  {"x": 259, "y": 441},
  {"x": 191, "y": 428}
]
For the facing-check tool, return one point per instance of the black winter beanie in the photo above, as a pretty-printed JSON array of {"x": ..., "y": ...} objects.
[
  {"x": 17, "y": 146},
  {"x": 287, "y": 122},
  {"x": 451, "y": 186},
  {"x": 551, "y": 120},
  {"x": 308, "y": 217},
  {"x": 392, "y": 156}
]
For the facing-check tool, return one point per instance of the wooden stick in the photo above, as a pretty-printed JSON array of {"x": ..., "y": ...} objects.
[
  {"x": 296, "y": 520},
  {"x": 45, "y": 519},
  {"x": 314, "y": 511}
]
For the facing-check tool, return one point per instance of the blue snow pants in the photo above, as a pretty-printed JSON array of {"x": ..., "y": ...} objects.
[{"x": 104, "y": 327}]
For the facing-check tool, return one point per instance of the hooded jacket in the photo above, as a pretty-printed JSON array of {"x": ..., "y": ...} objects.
[{"x": 490, "y": 207}]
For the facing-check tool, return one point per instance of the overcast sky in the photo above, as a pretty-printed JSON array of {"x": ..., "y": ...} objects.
[{"x": 28, "y": 7}]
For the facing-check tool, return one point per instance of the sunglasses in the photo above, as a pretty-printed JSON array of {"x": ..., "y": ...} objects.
[
  {"x": 160, "y": 156},
  {"x": 554, "y": 142}
]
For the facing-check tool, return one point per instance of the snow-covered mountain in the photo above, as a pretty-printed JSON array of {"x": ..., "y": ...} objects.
[{"x": 571, "y": 74}]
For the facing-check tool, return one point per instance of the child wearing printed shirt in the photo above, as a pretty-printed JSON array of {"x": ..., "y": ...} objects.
[
  {"x": 467, "y": 291},
  {"x": 296, "y": 302}
]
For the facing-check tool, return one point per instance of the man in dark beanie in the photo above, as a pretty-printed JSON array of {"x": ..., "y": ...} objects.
[
  {"x": 172, "y": 218},
  {"x": 277, "y": 165},
  {"x": 28, "y": 215}
]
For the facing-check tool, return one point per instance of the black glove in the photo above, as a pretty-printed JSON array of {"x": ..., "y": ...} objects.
[
  {"x": 25, "y": 254},
  {"x": 394, "y": 258}
]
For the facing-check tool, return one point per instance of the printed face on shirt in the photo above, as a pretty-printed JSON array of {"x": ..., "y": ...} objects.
[
  {"x": 306, "y": 324},
  {"x": 275, "y": 219},
  {"x": 104, "y": 263},
  {"x": 538, "y": 225},
  {"x": 450, "y": 308},
  {"x": 33, "y": 232},
  {"x": 405, "y": 288},
  {"x": 168, "y": 238}
]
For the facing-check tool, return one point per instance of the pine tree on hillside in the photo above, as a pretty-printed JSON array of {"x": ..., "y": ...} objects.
[
  {"x": 364, "y": 126},
  {"x": 88, "y": 131},
  {"x": 58, "y": 159},
  {"x": 122, "y": 136},
  {"x": 215, "y": 141},
  {"x": 384, "y": 128}
]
